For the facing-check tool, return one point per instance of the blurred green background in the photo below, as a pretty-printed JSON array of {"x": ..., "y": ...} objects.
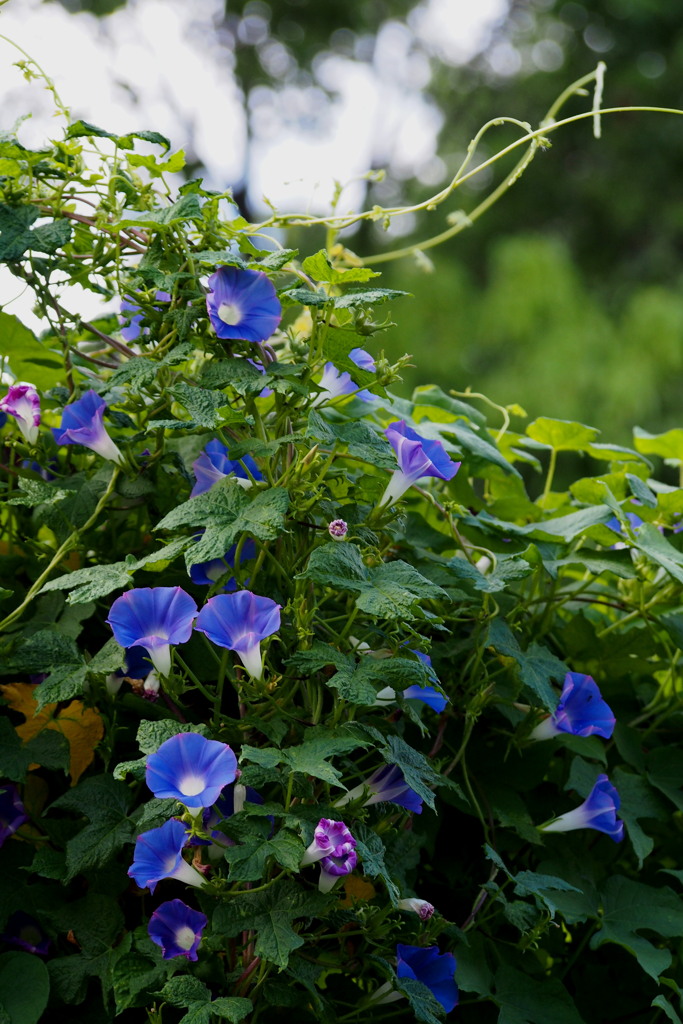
[{"x": 566, "y": 297}]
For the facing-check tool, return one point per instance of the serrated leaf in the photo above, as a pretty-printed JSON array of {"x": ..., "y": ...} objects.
[{"x": 201, "y": 403}]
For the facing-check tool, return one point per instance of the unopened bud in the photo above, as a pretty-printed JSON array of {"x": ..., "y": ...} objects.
[
  {"x": 337, "y": 529},
  {"x": 422, "y": 908}
]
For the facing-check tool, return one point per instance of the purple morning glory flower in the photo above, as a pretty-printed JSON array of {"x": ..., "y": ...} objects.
[
  {"x": 82, "y": 424},
  {"x": 192, "y": 769},
  {"x": 239, "y": 622},
  {"x": 134, "y": 315},
  {"x": 417, "y": 457},
  {"x": 206, "y": 573},
  {"x": 22, "y": 402},
  {"x": 24, "y": 931},
  {"x": 598, "y": 811},
  {"x": 213, "y": 464},
  {"x": 242, "y": 304},
  {"x": 386, "y": 785},
  {"x": 335, "y": 848},
  {"x": 12, "y": 811},
  {"x": 159, "y": 854},
  {"x": 422, "y": 908},
  {"x": 338, "y": 529},
  {"x": 435, "y": 970},
  {"x": 334, "y": 383},
  {"x": 581, "y": 711},
  {"x": 177, "y": 928},
  {"x": 153, "y": 618}
]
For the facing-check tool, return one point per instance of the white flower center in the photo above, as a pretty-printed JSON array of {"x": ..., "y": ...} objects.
[
  {"x": 185, "y": 937},
  {"x": 191, "y": 785},
  {"x": 229, "y": 313}
]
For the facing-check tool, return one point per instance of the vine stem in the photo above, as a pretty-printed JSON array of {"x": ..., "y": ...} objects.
[{"x": 62, "y": 550}]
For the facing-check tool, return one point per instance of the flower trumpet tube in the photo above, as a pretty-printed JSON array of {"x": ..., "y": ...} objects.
[
  {"x": 22, "y": 402},
  {"x": 580, "y": 712},
  {"x": 153, "y": 618},
  {"x": 386, "y": 785},
  {"x": 598, "y": 811},
  {"x": 417, "y": 457},
  {"x": 82, "y": 424},
  {"x": 190, "y": 768},
  {"x": 239, "y": 622},
  {"x": 242, "y": 304},
  {"x": 427, "y": 694},
  {"x": 422, "y": 908},
  {"x": 177, "y": 928},
  {"x": 159, "y": 854}
]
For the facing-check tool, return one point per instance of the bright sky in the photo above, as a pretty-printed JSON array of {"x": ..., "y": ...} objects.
[{"x": 156, "y": 64}]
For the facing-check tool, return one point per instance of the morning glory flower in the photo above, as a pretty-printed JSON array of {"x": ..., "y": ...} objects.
[
  {"x": 82, "y": 424},
  {"x": 159, "y": 854},
  {"x": 386, "y": 785},
  {"x": 133, "y": 314},
  {"x": 213, "y": 464},
  {"x": 422, "y": 908},
  {"x": 581, "y": 711},
  {"x": 598, "y": 811},
  {"x": 334, "y": 383},
  {"x": 192, "y": 769},
  {"x": 177, "y": 928},
  {"x": 153, "y": 618},
  {"x": 24, "y": 931},
  {"x": 12, "y": 811},
  {"x": 242, "y": 304},
  {"x": 207, "y": 573},
  {"x": 427, "y": 694},
  {"x": 417, "y": 457},
  {"x": 239, "y": 622},
  {"x": 22, "y": 402},
  {"x": 434, "y": 969},
  {"x": 335, "y": 848}
]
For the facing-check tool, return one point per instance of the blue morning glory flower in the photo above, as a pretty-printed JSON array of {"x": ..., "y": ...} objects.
[
  {"x": 427, "y": 694},
  {"x": 417, "y": 457},
  {"x": 598, "y": 811},
  {"x": 153, "y": 618},
  {"x": 177, "y": 928},
  {"x": 23, "y": 403},
  {"x": 434, "y": 969},
  {"x": 133, "y": 315},
  {"x": 25, "y": 932},
  {"x": 159, "y": 854},
  {"x": 239, "y": 622},
  {"x": 580, "y": 712},
  {"x": 213, "y": 464},
  {"x": 334, "y": 383},
  {"x": 82, "y": 424},
  {"x": 192, "y": 769},
  {"x": 206, "y": 573},
  {"x": 12, "y": 811},
  {"x": 242, "y": 304},
  {"x": 386, "y": 785}
]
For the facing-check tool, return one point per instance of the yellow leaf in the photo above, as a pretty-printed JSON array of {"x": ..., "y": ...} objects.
[
  {"x": 82, "y": 727},
  {"x": 356, "y": 889}
]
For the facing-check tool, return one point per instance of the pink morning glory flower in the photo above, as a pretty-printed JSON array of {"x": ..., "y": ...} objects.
[
  {"x": 22, "y": 402},
  {"x": 153, "y": 618},
  {"x": 177, "y": 928},
  {"x": 159, "y": 854},
  {"x": 82, "y": 424},
  {"x": 190, "y": 768},
  {"x": 417, "y": 457},
  {"x": 580, "y": 712},
  {"x": 598, "y": 811},
  {"x": 239, "y": 622},
  {"x": 242, "y": 304}
]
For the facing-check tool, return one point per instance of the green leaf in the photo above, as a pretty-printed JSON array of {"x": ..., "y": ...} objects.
[
  {"x": 562, "y": 435},
  {"x": 665, "y": 772},
  {"x": 641, "y": 491},
  {"x": 91, "y": 583},
  {"x": 236, "y": 373},
  {"x": 24, "y": 987},
  {"x": 134, "y": 977},
  {"x": 523, "y": 1000},
  {"x": 105, "y": 802},
  {"x": 201, "y": 403},
  {"x": 425, "y": 1006},
  {"x": 248, "y": 860},
  {"x": 391, "y": 590},
  {"x": 638, "y": 800},
  {"x": 151, "y": 735},
  {"x": 572, "y": 525},
  {"x": 668, "y": 445},
  {"x": 662, "y": 1003},
  {"x": 185, "y": 990},
  {"x": 372, "y": 852},
  {"x": 96, "y": 922},
  {"x": 49, "y": 749},
  {"x": 537, "y": 667},
  {"x": 416, "y": 769},
  {"x": 80, "y": 128},
  {"x": 479, "y": 451},
  {"x": 28, "y": 358},
  {"x": 628, "y": 908},
  {"x": 320, "y": 268},
  {"x": 357, "y": 437},
  {"x": 17, "y": 236},
  {"x": 186, "y": 208},
  {"x": 650, "y": 541},
  {"x": 271, "y": 914}
]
